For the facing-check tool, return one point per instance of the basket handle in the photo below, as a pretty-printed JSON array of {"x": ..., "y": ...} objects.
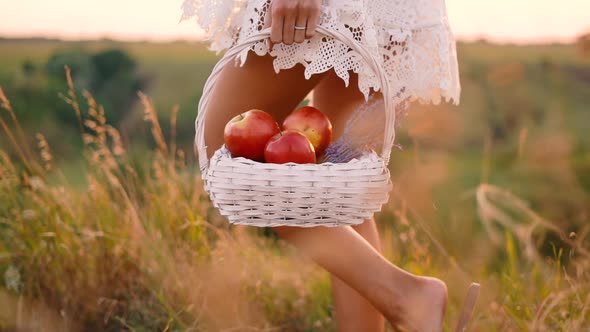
[{"x": 389, "y": 134}]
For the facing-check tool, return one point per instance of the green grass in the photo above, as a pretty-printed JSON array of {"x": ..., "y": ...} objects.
[{"x": 120, "y": 237}]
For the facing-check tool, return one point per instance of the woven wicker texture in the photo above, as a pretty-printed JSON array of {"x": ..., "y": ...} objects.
[{"x": 306, "y": 195}]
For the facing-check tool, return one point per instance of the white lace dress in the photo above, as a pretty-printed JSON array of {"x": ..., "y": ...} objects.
[{"x": 412, "y": 37}]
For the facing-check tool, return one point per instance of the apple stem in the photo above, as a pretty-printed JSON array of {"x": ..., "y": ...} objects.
[
  {"x": 280, "y": 131},
  {"x": 241, "y": 116}
]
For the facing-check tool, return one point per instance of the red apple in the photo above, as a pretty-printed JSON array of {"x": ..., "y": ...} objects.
[
  {"x": 289, "y": 146},
  {"x": 246, "y": 134},
  {"x": 312, "y": 123}
]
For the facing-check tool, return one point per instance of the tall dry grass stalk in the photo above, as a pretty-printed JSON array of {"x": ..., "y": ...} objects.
[
  {"x": 152, "y": 117},
  {"x": 72, "y": 99},
  {"x": 20, "y": 145}
]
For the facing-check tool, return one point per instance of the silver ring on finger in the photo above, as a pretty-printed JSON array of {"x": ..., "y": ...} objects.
[{"x": 300, "y": 28}]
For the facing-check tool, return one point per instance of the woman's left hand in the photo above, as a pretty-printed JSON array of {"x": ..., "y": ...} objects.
[{"x": 292, "y": 20}]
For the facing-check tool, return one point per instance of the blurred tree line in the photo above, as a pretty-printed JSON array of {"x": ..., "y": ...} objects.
[{"x": 35, "y": 92}]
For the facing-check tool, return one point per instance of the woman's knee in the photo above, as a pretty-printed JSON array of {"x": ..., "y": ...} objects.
[
  {"x": 369, "y": 231},
  {"x": 366, "y": 226}
]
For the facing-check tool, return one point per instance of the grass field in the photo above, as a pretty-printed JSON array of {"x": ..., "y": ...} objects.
[{"x": 496, "y": 190}]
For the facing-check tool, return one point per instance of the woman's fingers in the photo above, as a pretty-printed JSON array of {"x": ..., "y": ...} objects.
[
  {"x": 267, "y": 20},
  {"x": 312, "y": 21},
  {"x": 276, "y": 27},
  {"x": 289, "y": 28},
  {"x": 300, "y": 27},
  {"x": 268, "y": 24},
  {"x": 293, "y": 20}
]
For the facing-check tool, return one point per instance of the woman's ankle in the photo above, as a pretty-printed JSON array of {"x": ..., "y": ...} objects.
[{"x": 419, "y": 298}]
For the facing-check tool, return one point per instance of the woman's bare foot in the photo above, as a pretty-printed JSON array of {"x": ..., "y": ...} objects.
[{"x": 421, "y": 309}]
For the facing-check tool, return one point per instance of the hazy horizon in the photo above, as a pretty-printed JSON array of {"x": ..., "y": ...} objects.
[{"x": 526, "y": 21}]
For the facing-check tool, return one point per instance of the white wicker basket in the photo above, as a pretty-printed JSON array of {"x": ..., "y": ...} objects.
[{"x": 328, "y": 194}]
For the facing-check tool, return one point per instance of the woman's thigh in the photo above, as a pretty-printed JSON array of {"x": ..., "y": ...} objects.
[{"x": 254, "y": 85}]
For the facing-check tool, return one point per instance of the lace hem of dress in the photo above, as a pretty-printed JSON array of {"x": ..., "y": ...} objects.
[{"x": 420, "y": 63}]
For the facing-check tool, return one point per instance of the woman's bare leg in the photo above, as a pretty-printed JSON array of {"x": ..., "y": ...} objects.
[
  {"x": 418, "y": 302},
  {"x": 353, "y": 311}
]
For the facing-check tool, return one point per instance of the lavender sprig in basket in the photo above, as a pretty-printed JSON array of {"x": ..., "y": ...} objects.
[{"x": 363, "y": 131}]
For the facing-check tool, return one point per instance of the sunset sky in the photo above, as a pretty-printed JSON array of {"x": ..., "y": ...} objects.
[{"x": 500, "y": 20}]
